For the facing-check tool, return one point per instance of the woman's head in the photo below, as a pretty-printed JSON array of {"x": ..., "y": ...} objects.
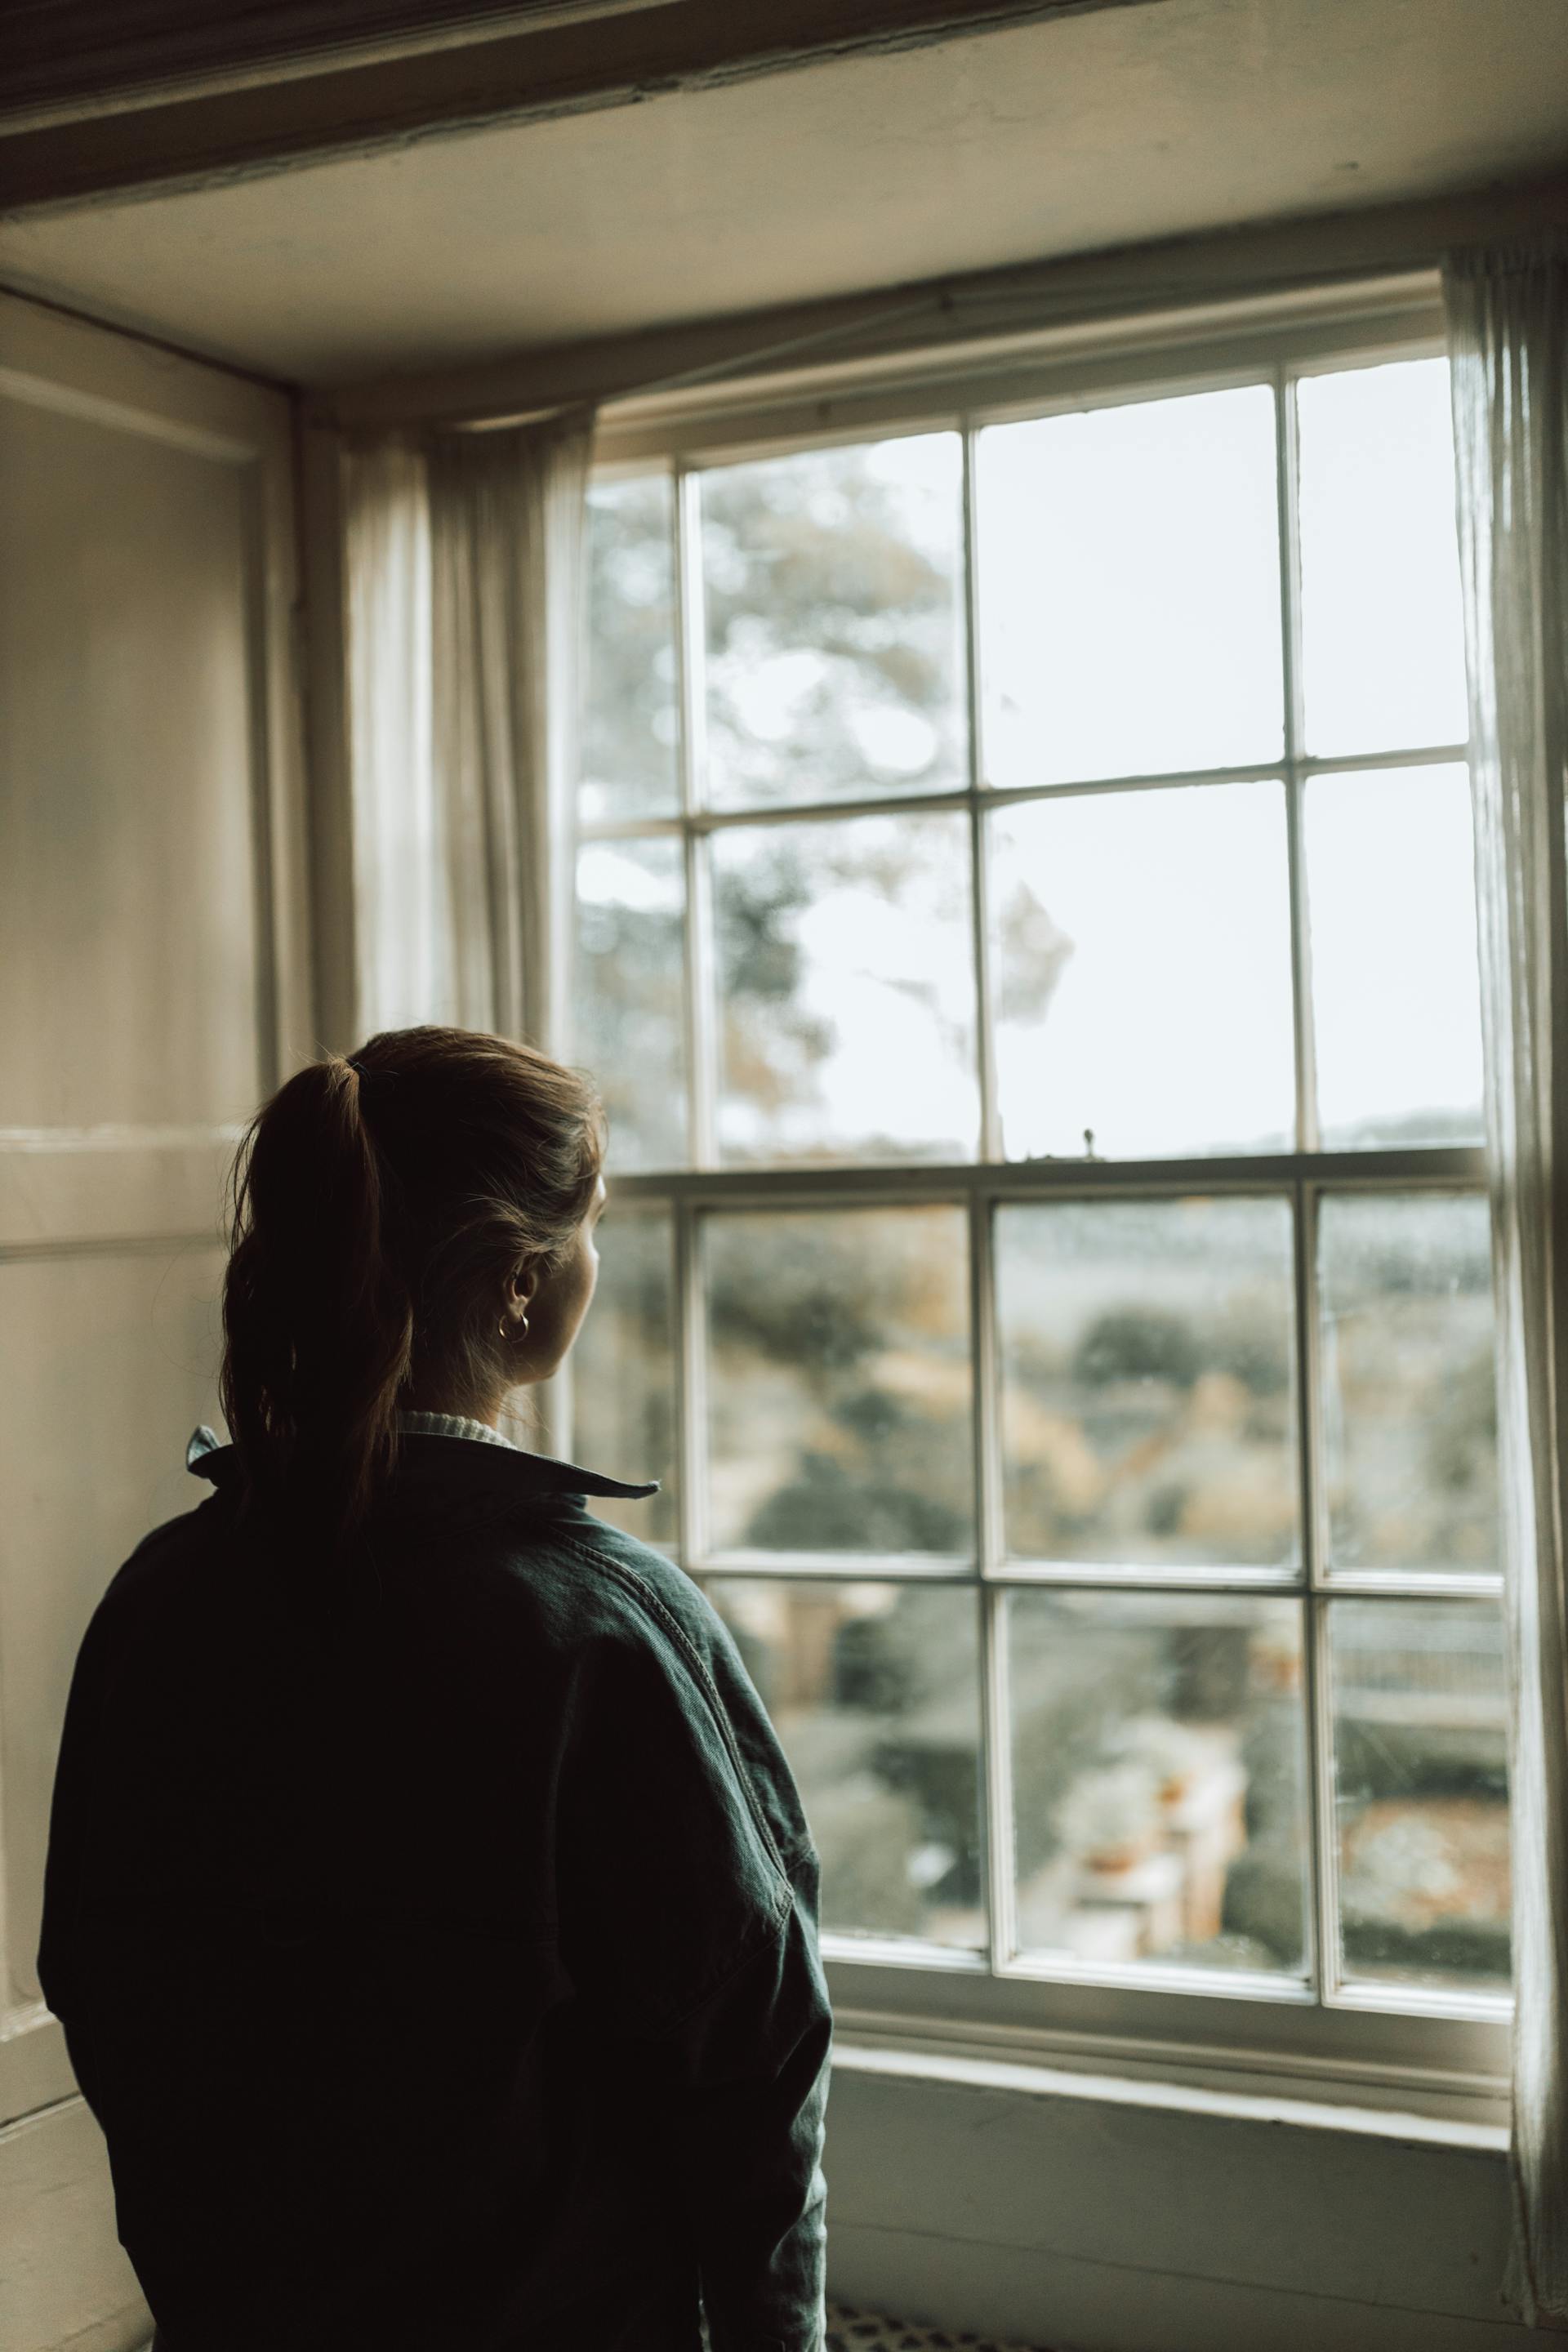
[{"x": 412, "y": 1226}]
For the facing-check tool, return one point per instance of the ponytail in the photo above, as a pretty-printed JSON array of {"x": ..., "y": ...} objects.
[
  {"x": 379, "y": 1205},
  {"x": 317, "y": 1328}
]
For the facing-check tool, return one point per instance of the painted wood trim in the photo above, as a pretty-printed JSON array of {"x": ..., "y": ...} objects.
[{"x": 1100, "y": 296}]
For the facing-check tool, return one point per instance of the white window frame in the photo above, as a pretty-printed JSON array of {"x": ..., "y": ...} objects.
[{"x": 1442, "y": 2052}]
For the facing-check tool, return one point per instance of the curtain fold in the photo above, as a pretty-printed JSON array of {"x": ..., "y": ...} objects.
[
  {"x": 391, "y": 791},
  {"x": 1508, "y": 334},
  {"x": 465, "y": 616}
]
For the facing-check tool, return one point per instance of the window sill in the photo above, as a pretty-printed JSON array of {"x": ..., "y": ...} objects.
[
  {"x": 1163, "y": 2045},
  {"x": 1266, "y": 2102}
]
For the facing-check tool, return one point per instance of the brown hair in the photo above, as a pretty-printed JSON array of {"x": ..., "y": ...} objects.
[{"x": 379, "y": 1204}]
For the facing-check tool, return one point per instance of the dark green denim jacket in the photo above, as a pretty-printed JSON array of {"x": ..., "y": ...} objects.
[{"x": 435, "y": 1933}]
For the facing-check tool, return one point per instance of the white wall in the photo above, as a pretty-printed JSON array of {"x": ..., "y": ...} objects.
[
  {"x": 1063, "y": 2221},
  {"x": 152, "y": 983}
]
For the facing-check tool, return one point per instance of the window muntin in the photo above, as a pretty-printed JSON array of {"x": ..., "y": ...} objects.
[{"x": 1196, "y": 1414}]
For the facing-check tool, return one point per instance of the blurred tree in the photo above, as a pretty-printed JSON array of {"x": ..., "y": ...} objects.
[
  {"x": 832, "y": 574},
  {"x": 1138, "y": 1343},
  {"x": 1461, "y": 1435},
  {"x": 827, "y": 1508},
  {"x": 1253, "y": 1345},
  {"x": 629, "y": 755},
  {"x": 834, "y": 612}
]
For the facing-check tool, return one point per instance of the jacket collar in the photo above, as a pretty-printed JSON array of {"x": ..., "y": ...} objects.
[{"x": 507, "y": 1469}]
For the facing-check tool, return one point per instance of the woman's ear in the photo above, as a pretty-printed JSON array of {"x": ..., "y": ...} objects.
[{"x": 522, "y": 1284}]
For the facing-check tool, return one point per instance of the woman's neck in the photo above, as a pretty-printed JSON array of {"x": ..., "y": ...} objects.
[{"x": 451, "y": 1407}]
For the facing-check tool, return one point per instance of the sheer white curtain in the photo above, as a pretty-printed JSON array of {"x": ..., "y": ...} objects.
[
  {"x": 398, "y": 966},
  {"x": 464, "y": 566},
  {"x": 1508, "y": 332}
]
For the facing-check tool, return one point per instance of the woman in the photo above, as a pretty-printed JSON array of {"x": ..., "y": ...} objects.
[{"x": 429, "y": 1907}]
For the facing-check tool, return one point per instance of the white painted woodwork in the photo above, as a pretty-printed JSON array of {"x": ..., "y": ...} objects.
[
  {"x": 154, "y": 986},
  {"x": 1092, "y": 2226},
  {"x": 64, "y": 2280}
]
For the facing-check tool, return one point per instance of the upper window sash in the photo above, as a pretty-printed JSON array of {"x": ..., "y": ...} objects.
[{"x": 1035, "y": 373}]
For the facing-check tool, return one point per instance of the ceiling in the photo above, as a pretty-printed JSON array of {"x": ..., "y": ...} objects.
[{"x": 1058, "y": 137}]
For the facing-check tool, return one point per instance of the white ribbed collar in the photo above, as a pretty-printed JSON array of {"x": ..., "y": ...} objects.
[
  {"x": 453, "y": 1424},
  {"x": 526, "y": 1474}
]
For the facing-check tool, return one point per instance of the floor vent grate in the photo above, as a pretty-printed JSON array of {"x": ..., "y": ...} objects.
[{"x": 867, "y": 2331}]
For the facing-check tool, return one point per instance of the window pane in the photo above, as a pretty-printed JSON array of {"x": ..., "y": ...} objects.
[
  {"x": 874, "y": 1690},
  {"x": 624, "y": 1371},
  {"x": 1148, "y": 1366},
  {"x": 1422, "y": 1792},
  {"x": 1158, "y": 1772},
  {"x": 631, "y": 718},
  {"x": 839, "y": 1381},
  {"x": 1129, "y": 589},
  {"x": 835, "y": 607},
  {"x": 845, "y": 977},
  {"x": 1391, "y": 885},
  {"x": 631, "y": 905},
  {"x": 1142, "y": 964},
  {"x": 1383, "y": 652},
  {"x": 1409, "y": 1405}
]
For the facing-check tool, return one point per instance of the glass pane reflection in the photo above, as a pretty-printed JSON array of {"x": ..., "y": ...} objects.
[
  {"x": 630, "y": 715},
  {"x": 1129, "y": 589},
  {"x": 1159, "y": 1779},
  {"x": 1383, "y": 651},
  {"x": 1148, "y": 1358},
  {"x": 624, "y": 1371},
  {"x": 1410, "y": 1398},
  {"x": 1395, "y": 988},
  {"x": 1420, "y": 1717},
  {"x": 874, "y": 1691},
  {"x": 838, "y": 1380},
  {"x": 630, "y": 995},
  {"x": 833, "y": 582},
  {"x": 1142, "y": 960},
  {"x": 846, "y": 991}
]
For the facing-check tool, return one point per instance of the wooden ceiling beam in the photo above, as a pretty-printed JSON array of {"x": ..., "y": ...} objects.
[{"x": 554, "y": 61}]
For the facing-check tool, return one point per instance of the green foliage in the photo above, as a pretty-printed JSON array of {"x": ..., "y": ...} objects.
[
  {"x": 1138, "y": 1343},
  {"x": 629, "y": 723},
  {"x": 1253, "y": 1346},
  {"x": 825, "y": 1508},
  {"x": 1461, "y": 1437},
  {"x": 812, "y": 559}
]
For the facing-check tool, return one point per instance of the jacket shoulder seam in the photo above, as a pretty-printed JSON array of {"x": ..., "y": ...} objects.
[
  {"x": 776, "y": 1926},
  {"x": 674, "y": 1632}
]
